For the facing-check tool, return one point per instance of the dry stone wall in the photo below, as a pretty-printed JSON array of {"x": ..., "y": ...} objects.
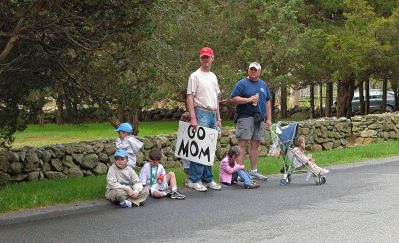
[
  {"x": 375, "y": 128},
  {"x": 94, "y": 158}
]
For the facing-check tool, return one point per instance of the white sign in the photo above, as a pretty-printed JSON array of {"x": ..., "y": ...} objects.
[{"x": 196, "y": 145}]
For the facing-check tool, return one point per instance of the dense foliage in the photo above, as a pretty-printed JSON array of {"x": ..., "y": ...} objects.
[{"x": 121, "y": 56}]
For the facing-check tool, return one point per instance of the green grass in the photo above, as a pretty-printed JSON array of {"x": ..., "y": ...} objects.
[
  {"x": 50, "y": 192},
  {"x": 33, "y": 135}
]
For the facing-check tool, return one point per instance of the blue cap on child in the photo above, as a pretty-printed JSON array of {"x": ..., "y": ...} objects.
[
  {"x": 120, "y": 153},
  {"x": 124, "y": 127}
]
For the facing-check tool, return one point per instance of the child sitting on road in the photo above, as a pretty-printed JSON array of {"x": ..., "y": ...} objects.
[
  {"x": 299, "y": 152},
  {"x": 128, "y": 142},
  {"x": 154, "y": 177},
  {"x": 123, "y": 184},
  {"x": 230, "y": 170}
]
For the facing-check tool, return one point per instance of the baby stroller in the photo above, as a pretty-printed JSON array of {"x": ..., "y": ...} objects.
[{"x": 283, "y": 139}]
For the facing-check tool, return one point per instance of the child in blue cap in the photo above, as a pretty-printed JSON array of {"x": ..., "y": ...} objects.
[
  {"x": 128, "y": 142},
  {"x": 123, "y": 184}
]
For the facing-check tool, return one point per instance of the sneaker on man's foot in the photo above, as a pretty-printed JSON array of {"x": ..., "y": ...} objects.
[
  {"x": 177, "y": 195},
  {"x": 213, "y": 185},
  {"x": 125, "y": 204},
  {"x": 196, "y": 186},
  {"x": 257, "y": 175}
]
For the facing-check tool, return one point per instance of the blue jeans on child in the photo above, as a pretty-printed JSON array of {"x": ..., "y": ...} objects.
[
  {"x": 200, "y": 172},
  {"x": 243, "y": 174}
]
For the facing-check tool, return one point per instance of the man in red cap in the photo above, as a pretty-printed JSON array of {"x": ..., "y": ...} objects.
[{"x": 203, "y": 106}]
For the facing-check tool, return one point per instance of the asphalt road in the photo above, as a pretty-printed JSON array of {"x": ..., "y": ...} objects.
[{"x": 359, "y": 203}]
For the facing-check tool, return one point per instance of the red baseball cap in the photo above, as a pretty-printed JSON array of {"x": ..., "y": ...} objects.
[{"x": 206, "y": 51}]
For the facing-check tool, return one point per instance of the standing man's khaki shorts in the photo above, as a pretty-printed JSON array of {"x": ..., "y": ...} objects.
[{"x": 246, "y": 129}]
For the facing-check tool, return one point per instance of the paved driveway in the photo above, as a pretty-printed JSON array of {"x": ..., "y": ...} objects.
[{"x": 359, "y": 203}]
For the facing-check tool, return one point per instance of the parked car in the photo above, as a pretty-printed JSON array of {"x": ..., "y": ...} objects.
[{"x": 375, "y": 100}]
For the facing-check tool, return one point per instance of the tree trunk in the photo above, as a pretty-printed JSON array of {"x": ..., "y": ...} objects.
[
  {"x": 59, "y": 116},
  {"x": 311, "y": 87},
  {"x": 229, "y": 105},
  {"x": 131, "y": 116},
  {"x": 394, "y": 86},
  {"x": 367, "y": 97},
  {"x": 361, "y": 98},
  {"x": 351, "y": 84},
  {"x": 40, "y": 117},
  {"x": 344, "y": 99},
  {"x": 340, "y": 101},
  {"x": 384, "y": 95},
  {"x": 329, "y": 99},
  {"x": 273, "y": 103},
  {"x": 183, "y": 96},
  {"x": 134, "y": 121},
  {"x": 321, "y": 99},
  {"x": 283, "y": 99}
]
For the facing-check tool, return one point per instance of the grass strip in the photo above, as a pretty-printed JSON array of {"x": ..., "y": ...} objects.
[
  {"x": 68, "y": 133},
  {"x": 50, "y": 192}
]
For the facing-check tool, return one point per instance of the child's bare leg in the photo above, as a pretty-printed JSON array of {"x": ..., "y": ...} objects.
[
  {"x": 171, "y": 179},
  {"x": 157, "y": 194},
  {"x": 316, "y": 169}
]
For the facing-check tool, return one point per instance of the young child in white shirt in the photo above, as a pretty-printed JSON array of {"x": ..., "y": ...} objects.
[
  {"x": 155, "y": 179},
  {"x": 128, "y": 142}
]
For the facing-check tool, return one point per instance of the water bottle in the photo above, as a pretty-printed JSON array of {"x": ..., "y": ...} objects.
[{"x": 255, "y": 103}]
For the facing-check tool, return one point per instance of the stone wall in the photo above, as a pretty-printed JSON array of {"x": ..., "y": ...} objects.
[
  {"x": 94, "y": 158},
  {"x": 375, "y": 128},
  {"x": 326, "y": 133}
]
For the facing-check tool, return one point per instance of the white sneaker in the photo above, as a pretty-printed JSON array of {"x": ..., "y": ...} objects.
[
  {"x": 324, "y": 171},
  {"x": 257, "y": 175},
  {"x": 196, "y": 186},
  {"x": 213, "y": 185}
]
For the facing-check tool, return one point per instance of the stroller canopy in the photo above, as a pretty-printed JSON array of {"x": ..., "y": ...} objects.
[{"x": 288, "y": 133}]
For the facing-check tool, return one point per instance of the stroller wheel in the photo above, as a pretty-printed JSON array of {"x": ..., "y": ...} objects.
[
  {"x": 318, "y": 180},
  {"x": 323, "y": 180},
  {"x": 283, "y": 182}
]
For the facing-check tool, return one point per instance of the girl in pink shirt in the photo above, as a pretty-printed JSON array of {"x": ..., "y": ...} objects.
[
  {"x": 230, "y": 170},
  {"x": 299, "y": 151}
]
